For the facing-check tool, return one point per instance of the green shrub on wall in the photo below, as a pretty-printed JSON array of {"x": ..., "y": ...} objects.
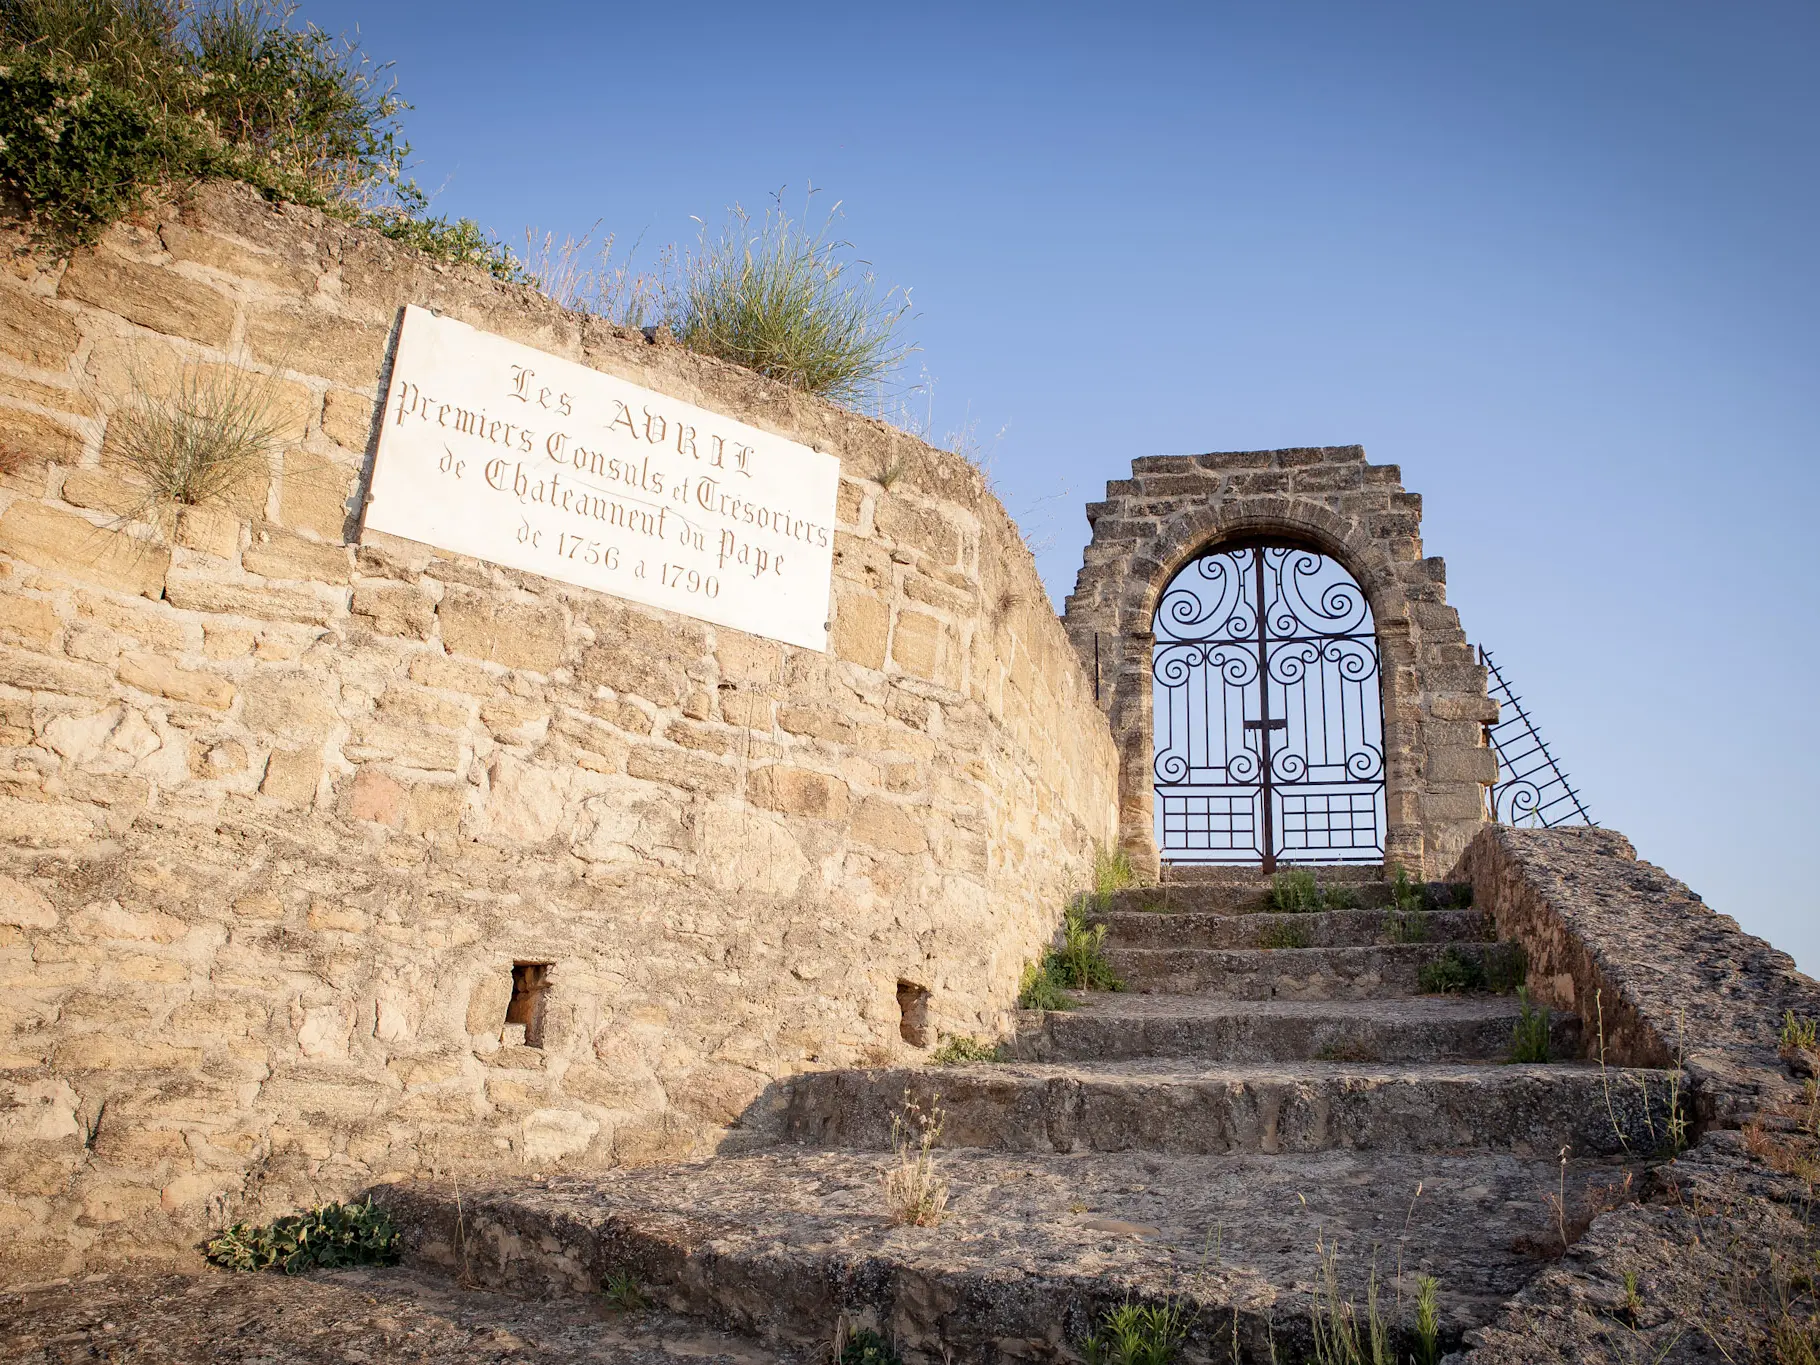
[{"x": 101, "y": 100}]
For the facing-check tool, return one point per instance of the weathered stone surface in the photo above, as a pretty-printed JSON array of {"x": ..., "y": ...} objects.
[
  {"x": 1033, "y": 1248},
  {"x": 153, "y": 673},
  {"x": 275, "y": 554},
  {"x": 35, "y": 331},
  {"x": 516, "y": 634},
  {"x": 347, "y": 1317},
  {"x": 67, "y": 544},
  {"x": 366, "y": 783},
  {"x": 152, "y": 297}
]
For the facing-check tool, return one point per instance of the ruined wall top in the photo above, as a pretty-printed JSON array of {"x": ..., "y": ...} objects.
[{"x": 1326, "y": 498}]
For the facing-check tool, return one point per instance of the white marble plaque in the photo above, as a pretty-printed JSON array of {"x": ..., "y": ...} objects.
[{"x": 496, "y": 450}]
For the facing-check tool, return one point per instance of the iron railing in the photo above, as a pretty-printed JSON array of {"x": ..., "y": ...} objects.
[{"x": 1531, "y": 788}]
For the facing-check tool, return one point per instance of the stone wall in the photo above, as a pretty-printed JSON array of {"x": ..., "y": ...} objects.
[
  {"x": 281, "y": 812},
  {"x": 1708, "y": 1258},
  {"x": 1175, "y": 508}
]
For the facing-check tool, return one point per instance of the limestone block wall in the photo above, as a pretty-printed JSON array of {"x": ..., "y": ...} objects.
[
  {"x": 280, "y": 812},
  {"x": 1175, "y": 508}
]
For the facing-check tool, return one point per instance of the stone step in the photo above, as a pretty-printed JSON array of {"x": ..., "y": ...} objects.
[
  {"x": 1358, "y": 973},
  {"x": 1126, "y": 1025},
  {"x": 1031, "y": 1251},
  {"x": 1186, "y": 1107},
  {"x": 1324, "y": 929},
  {"x": 1251, "y": 897}
]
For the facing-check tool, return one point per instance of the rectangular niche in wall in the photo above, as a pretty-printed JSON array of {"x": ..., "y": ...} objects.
[
  {"x": 529, "y": 982},
  {"x": 913, "y": 1013}
]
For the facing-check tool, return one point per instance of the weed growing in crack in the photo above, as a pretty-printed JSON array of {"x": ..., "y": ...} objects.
[
  {"x": 1452, "y": 973},
  {"x": 915, "y": 1193},
  {"x": 1037, "y": 990},
  {"x": 1081, "y": 963},
  {"x": 862, "y": 1346},
  {"x": 201, "y": 441},
  {"x": 1800, "y": 1033},
  {"x": 622, "y": 1292},
  {"x": 1342, "y": 1335},
  {"x": 1294, "y": 891},
  {"x": 1138, "y": 1334},
  {"x": 1406, "y": 926},
  {"x": 1531, "y": 1041},
  {"x": 1428, "y": 1320},
  {"x": 959, "y": 1048},
  {"x": 1112, "y": 871}
]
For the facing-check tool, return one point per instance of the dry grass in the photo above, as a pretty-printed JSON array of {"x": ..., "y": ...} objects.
[
  {"x": 915, "y": 1192},
  {"x": 579, "y": 275},
  {"x": 200, "y": 440},
  {"x": 791, "y": 302}
]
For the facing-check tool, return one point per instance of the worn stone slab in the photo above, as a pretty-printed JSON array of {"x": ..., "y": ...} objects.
[
  {"x": 1032, "y": 1249},
  {"x": 348, "y": 1317},
  {"x": 1112, "y": 1027},
  {"x": 1325, "y": 929},
  {"x": 1355, "y": 973},
  {"x": 1187, "y": 1107}
]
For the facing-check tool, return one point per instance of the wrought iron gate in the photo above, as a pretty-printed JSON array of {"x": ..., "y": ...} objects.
[{"x": 1269, "y": 727}]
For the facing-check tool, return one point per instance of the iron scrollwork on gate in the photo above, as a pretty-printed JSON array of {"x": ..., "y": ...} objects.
[{"x": 1268, "y": 721}]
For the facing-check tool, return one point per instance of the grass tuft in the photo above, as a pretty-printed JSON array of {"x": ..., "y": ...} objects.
[
  {"x": 789, "y": 301},
  {"x": 959, "y": 1048},
  {"x": 1294, "y": 891},
  {"x": 1081, "y": 963},
  {"x": 1799, "y": 1033},
  {"x": 1112, "y": 871},
  {"x": 327, "y": 1237},
  {"x": 1532, "y": 1031},
  {"x": 622, "y": 1291},
  {"x": 1297, "y": 891},
  {"x": 915, "y": 1193},
  {"x": 863, "y": 1347},
  {"x": 1452, "y": 973},
  {"x": 199, "y": 442},
  {"x": 1137, "y": 1334},
  {"x": 1037, "y": 990}
]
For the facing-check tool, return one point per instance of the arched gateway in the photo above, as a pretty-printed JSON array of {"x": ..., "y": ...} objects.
[
  {"x": 1268, "y": 719},
  {"x": 1352, "y": 675}
]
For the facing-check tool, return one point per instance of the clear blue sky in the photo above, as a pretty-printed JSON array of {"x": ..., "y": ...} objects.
[{"x": 1557, "y": 260}]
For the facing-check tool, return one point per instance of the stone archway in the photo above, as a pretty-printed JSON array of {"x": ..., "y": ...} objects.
[{"x": 1174, "y": 508}]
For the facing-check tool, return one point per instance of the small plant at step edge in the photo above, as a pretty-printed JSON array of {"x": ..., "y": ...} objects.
[
  {"x": 914, "y": 1192},
  {"x": 1081, "y": 963},
  {"x": 1798, "y": 1033},
  {"x": 1112, "y": 871},
  {"x": 1137, "y": 1334},
  {"x": 1452, "y": 973},
  {"x": 1406, "y": 926},
  {"x": 328, "y": 1237},
  {"x": 959, "y": 1048},
  {"x": 1294, "y": 891},
  {"x": 863, "y": 1347},
  {"x": 623, "y": 1292},
  {"x": 1037, "y": 990},
  {"x": 1531, "y": 1041},
  {"x": 1428, "y": 1320}
]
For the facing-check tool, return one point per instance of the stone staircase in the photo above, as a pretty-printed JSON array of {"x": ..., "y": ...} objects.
[{"x": 1239, "y": 1121}]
